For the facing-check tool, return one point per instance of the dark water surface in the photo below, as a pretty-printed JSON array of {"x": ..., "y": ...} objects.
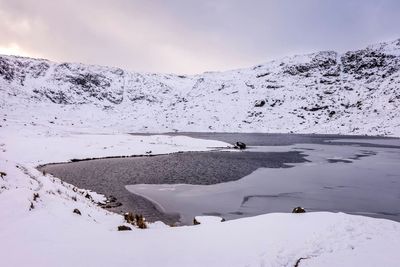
[
  {"x": 278, "y": 187},
  {"x": 275, "y": 139},
  {"x": 110, "y": 176}
]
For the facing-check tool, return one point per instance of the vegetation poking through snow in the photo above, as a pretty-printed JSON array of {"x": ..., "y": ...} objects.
[{"x": 136, "y": 220}]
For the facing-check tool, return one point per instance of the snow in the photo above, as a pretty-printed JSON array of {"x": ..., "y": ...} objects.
[
  {"x": 57, "y": 112},
  {"x": 208, "y": 219},
  {"x": 325, "y": 239},
  {"x": 50, "y": 234},
  {"x": 352, "y": 93}
]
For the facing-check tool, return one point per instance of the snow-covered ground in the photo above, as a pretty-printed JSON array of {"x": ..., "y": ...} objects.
[
  {"x": 44, "y": 231},
  {"x": 57, "y": 112}
]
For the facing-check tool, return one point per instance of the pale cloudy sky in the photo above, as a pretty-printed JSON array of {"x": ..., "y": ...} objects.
[{"x": 185, "y": 36}]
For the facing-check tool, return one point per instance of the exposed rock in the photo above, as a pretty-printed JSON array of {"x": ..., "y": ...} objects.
[
  {"x": 316, "y": 108},
  {"x": 240, "y": 145},
  {"x": 35, "y": 196},
  {"x": 111, "y": 202},
  {"x": 262, "y": 75},
  {"x": 76, "y": 211},
  {"x": 124, "y": 228},
  {"x": 274, "y": 86},
  {"x": 363, "y": 61},
  {"x": 259, "y": 103},
  {"x": 6, "y": 70},
  {"x": 298, "y": 210},
  {"x": 320, "y": 61}
]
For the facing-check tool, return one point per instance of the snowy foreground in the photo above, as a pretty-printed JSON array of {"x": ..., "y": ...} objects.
[{"x": 46, "y": 232}]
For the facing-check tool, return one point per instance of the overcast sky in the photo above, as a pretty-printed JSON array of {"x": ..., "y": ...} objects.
[{"x": 190, "y": 36}]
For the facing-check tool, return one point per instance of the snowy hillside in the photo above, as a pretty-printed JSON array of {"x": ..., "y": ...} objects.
[
  {"x": 57, "y": 112},
  {"x": 357, "y": 92}
]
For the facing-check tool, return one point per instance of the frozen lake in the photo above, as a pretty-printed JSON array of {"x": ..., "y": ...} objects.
[{"x": 355, "y": 175}]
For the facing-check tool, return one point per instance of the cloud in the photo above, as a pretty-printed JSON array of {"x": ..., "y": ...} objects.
[{"x": 190, "y": 36}]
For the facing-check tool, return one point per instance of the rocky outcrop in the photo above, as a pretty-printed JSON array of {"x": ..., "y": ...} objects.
[
  {"x": 322, "y": 61},
  {"x": 298, "y": 210}
]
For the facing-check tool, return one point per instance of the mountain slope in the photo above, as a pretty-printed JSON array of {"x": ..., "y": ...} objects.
[{"x": 357, "y": 92}]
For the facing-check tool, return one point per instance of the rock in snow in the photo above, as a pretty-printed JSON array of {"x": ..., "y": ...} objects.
[
  {"x": 76, "y": 211},
  {"x": 298, "y": 210},
  {"x": 240, "y": 145}
]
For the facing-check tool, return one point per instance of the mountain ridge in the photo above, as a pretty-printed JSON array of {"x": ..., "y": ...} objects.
[{"x": 356, "y": 92}]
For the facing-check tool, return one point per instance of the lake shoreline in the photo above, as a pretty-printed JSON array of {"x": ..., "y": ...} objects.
[{"x": 176, "y": 172}]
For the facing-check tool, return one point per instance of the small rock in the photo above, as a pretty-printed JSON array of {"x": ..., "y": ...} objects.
[
  {"x": 110, "y": 205},
  {"x": 298, "y": 210},
  {"x": 259, "y": 103},
  {"x": 35, "y": 196},
  {"x": 111, "y": 199},
  {"x": 77, "y": 211},
  {"x": 111, "y": 202},
  {"x": 124, "y": 228},
  {"x": 240, "y": 145},
  {"x": 195, "y": 222}
]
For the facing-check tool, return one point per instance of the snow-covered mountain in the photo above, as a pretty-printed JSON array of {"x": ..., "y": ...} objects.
[
  {"x": 357, "y": 92},
  {"x": 45, "y": 107}
]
